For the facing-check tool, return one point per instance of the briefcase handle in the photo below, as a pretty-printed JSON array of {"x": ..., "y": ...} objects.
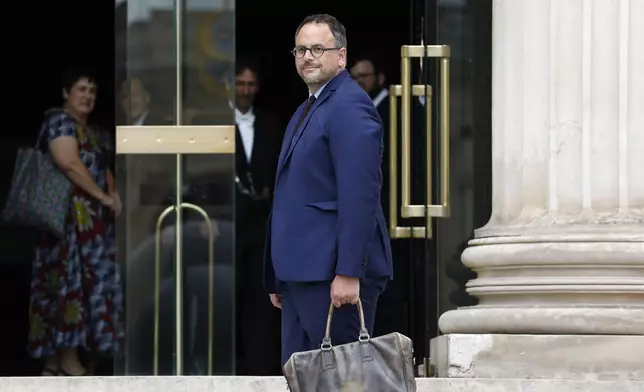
[{"x": 364, "y": 333}]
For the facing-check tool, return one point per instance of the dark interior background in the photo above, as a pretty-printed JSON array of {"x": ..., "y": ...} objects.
[
  {"x": 371, "y": 29},
  {"x": 46, "y": 39},
  {"x": 50, "y": 37}
]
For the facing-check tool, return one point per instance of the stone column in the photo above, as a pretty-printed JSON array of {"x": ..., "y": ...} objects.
[{"x": 563, "y": 252}]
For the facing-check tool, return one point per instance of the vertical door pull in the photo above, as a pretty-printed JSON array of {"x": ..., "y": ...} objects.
[{"x": 406, "y": 91}]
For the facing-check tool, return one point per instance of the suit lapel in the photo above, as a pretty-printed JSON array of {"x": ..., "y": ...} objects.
[
  {"x": 297, "y": 133},
  {"x": 288, "y": 135},
  {"x": 240, "y": 156},
  {"x": 258, "y": 140}
]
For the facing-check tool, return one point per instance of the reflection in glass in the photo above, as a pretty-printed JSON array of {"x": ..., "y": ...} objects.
[
  {"x": 466, "y": 26},
  {"x": 179, "y": 269},
  {"x": 144, "y": 182}
]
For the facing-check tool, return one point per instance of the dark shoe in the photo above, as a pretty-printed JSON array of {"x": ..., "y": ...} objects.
[
  {"x": 91, "y": 367},
  {"x": 49, "y": 372},
  {"x": 62, "y": 372}
]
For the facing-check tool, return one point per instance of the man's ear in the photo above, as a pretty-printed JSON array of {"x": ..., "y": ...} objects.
[
  {"x": 343, "y": 57},
  {"x": 65, "y": 94},
  {"x": 381, "y": 79}
]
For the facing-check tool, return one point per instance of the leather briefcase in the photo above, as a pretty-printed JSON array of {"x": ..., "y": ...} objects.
[{"x": 381, "y": 364}]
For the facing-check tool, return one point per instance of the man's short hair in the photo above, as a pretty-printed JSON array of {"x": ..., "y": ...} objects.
[
  {"x": 337, "y": 28},
  {"x": 377, "y": 67},
  {"x": 243, "y": 64}
]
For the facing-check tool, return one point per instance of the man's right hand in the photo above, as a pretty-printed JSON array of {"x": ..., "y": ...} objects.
[{"x": 276, "y": 300}]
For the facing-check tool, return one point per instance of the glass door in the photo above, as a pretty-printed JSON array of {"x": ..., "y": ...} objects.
[
  {"x": 440, "y": 149},
  {"x": 175, "y": 62},
  {"x": 419, "y": 163}
]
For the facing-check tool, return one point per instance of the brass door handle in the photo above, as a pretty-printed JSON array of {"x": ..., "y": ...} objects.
[
  {"x": 157, "y": 289},
  {"x": 405, "y": 91},
  {"x": 211, "y": 281}
]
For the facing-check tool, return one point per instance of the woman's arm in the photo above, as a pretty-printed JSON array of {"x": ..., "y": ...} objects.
[
  {"x": 64, "y": 151},
  {"x": 111, "y": 183}
]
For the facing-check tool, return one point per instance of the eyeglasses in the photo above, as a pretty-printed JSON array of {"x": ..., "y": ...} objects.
[{"x": 316, "y": 51}]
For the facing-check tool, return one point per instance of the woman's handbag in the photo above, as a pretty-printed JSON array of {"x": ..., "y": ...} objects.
[
  {"x": 40, "y": 194},
  {"x": 381, "y": 364}
]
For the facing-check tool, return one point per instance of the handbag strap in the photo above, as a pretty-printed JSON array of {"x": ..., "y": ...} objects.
[
  {"x": 41, "y": 136},
  {"x": 364, "y": 333}
]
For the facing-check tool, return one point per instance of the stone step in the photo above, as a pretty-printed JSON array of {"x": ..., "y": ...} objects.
[
  {"x": 567, "y": 357},
  {"x": 277, "y": 384}
]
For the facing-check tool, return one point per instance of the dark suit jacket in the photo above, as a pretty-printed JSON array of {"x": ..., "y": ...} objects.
[
  {"x": 258, "y": 175},
  {"x": 383, "y": 111},
  {"x": 327, "y": 217}
]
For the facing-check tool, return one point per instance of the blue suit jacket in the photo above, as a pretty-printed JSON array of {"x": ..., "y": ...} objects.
[{"x": 327, "y": 217}]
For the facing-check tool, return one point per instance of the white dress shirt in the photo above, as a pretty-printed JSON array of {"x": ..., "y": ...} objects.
[
  {"x": 380, "y": 97},
  {"x": 246, "y": 124},
  {"x": 141, "y": 119}
]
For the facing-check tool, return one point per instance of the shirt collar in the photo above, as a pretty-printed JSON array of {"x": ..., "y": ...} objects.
[
  {"x": 317, "y": 93},
  {"x": 380, "y": 97},
  {"x": 248, "y": 114}
]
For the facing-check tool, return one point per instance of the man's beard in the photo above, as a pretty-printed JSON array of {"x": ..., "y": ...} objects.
[
  {"x": 243, "y": 103},
  {"x": 320, "y": 78},
  {"x": 375, "y": 91},
  {"x": 313, "y": 80}
]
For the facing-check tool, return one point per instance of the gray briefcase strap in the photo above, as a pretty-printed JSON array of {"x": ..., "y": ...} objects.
[{"x": 364, "y": 338}]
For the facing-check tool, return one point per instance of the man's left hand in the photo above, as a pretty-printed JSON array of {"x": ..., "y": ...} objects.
[{"x": 345, "y": 290}]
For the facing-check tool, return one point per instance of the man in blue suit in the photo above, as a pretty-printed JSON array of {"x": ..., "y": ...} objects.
[{"x": 328, "y": 241}]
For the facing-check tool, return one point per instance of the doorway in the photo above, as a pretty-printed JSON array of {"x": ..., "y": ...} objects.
[
  {"x": 53, "y": 38},
  {"x": 429, "y": 278},
  {"x": 439, "y": 158}
]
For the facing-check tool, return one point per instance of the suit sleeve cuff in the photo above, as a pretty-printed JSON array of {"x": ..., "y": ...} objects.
[{"x": 351, "y": 271}]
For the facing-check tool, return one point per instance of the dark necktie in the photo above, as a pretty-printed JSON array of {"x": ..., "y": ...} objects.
[{"x": 307, "y": 108}]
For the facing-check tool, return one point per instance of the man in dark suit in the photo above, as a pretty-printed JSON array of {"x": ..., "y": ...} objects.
[
  {"x": 371, "y": 78},
  {"x": 258, "y": 140},
  {"x": 368, "y": 73},
  {"x": 328, "y": 236}
]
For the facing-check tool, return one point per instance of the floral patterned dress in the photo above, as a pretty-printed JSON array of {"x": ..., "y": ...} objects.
[{"x": 76, "y": 294}]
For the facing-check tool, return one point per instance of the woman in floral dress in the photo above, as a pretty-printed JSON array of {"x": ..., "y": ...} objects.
[{"x": 76, "y": 296}]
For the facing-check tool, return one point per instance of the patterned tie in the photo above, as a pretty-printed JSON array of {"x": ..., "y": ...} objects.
[{"x": 307, "y": 108}]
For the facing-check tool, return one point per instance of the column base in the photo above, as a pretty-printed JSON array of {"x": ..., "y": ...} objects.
[
  {"x": 583, "y": 320},
  {"x": 569, "y": 357},
  {"x": 561, "y": 283}
]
